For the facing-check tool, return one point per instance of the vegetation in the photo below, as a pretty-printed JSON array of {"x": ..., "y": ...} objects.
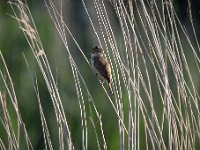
[{"x": 50, "y": 97}]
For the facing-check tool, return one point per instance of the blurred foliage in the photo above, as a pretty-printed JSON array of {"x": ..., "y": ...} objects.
[{"x": 13, "y": 45}]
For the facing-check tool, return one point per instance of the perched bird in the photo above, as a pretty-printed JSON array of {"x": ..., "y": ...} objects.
[{"x": 101, "y": 65}]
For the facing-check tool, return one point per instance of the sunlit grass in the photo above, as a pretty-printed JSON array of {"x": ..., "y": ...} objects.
[{"x": 155, "y": 101}]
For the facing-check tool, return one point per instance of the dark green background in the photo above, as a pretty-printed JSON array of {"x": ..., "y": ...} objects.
[{"x": 13, "y": 45}]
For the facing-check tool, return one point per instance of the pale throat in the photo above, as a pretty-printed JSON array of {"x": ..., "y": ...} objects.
[{"x": 96, "y": 55}]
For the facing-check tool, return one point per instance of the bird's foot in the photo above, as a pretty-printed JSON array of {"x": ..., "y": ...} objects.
[{"x": 102, "y": 82}]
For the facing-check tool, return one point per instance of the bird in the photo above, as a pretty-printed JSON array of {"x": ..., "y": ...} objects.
[{"x": 101, "y": 66}]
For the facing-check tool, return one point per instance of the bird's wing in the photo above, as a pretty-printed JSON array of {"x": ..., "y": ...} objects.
[{"x": 106, "y": 72}]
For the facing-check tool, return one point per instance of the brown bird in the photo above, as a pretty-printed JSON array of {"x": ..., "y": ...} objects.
[{"x": 101, "y": 65}]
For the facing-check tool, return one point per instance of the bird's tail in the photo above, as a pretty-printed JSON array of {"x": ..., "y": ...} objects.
[{"x": 110, "y": 88}]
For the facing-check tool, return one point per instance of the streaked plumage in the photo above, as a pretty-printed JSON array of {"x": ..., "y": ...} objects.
[{"x": 101, "y": 65}]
